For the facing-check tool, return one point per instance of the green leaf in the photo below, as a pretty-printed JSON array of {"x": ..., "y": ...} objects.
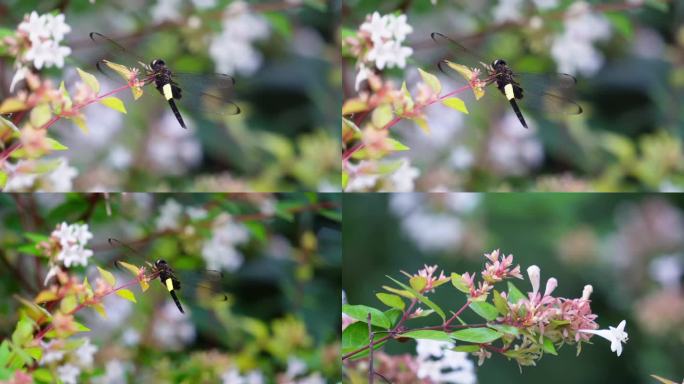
[
  {"x": 7, "y": 123},
  {"x": 621, "y": 23},
  {"x": 3, "y": 179},
  {"x": 485, "y": 310},
  {"x": 44, "y": 375},
  {"x": 477, "y": 335},
  {"x": 457, "y": 282},
  {"x": 431, "y": 80},
  {"x": 422, "y": 298},
  {"x": 399, "y": 292},
  {"x": 90, "y": 80},
  {"x": 353, "y": 106},
  {"x": 23, "y": 331},
  {"x": 36, "y": 237},
  {"x": 466, "y": 348},
  {"x": 280, "y": 23},
  {"x": 505, "y": 328},
  {"x": 114, "y": 103},
  {"x": 428, "y": 334},
  {"x": 55, "y": 145},
  {"x": 381, "y": 116},
  {"x": 663, "y": 380},
  {"x": 4, "y": 352},
  {"x": 418, "y": 283},
  {"x": 107, "y": 276},
  {"x": 30, "y": 249},
  {"x": 514, "y": 294},
  {"x": 422, "y": 123},
  {"x": 396, "y": 144},
  {"x": 548, "y": 347},
  {"x": 455, "y": 103},
  {"x": 126, "y": 294},
  {"x": 393, "y": 315},
  {"x": 40, "y": 115},
  {"x": 500, "y": 303},
  {"x": 12, "y": 104},
  {"x": 356, "y": 336},
  {"x": 360, "y": 313},
  {"x": 390, "y": 300}
]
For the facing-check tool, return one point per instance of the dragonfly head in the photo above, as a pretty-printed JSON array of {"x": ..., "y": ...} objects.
[
  {"x": 498, "y": 63},
  {"x": 160, "y": 263},
  {"x": 157, "y": 64}
]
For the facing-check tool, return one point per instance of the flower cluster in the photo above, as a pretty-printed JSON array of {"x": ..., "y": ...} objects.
[
  {"x": 71, "y": 361},
  {"x": 573, "y": 50},
  {"x": 66, "y": 247},
  {"x": 31, "y": 175},
  {"x": 496, "y": 270},
  {"x": 378, "y": 43},
  {"x": 37, "y": 41}
]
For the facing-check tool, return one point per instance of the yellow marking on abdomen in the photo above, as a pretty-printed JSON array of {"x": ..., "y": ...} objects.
[
  {"x": 508, "y": 91},
  {"x": 166, "y": 89},
  {"x": 169, "y": 284}
]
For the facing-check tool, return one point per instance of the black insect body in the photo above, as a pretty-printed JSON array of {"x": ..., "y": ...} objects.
[
  {"x": 508, "y": 87},
  {"x": 169, "y": 279}
]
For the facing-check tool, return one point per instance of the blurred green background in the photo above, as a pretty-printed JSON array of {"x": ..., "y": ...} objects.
[
  {"x": 627, "y": 57},
  {"x": 283, "y": 56},
  {"x": 629, "y": 247}
]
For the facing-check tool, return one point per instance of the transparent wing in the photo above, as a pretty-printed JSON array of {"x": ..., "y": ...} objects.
[
  {"x": 116, "y": 53},
  {"x": 209, "y": 93},
  {"x": 457, "y": 52},
  {"x": 551, "y": 92},
  {"x": 546, "y": 80}
]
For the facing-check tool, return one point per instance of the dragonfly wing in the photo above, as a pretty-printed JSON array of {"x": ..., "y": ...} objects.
[
  {"x": 541, "y": 81},
  {"x": 209, "y": 93},
  {"x": 457, "y": 52}
]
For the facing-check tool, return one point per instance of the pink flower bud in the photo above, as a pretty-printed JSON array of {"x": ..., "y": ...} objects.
[
  {"x": 551, "y": 284},
  {"x": 533, "y": 272}
]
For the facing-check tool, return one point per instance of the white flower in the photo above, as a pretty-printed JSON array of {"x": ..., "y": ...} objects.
[
  {"x": 68, "y": 373},
  {"x": 587, "y": 291},
  {"x": 403, "y": 178},
  {"x": 51, "y": 352},
  {"x": 195, "y": 213},
  {"x": 295, "y": 367},
  {"x": 533, "y": 272},
  {"x": 220, "y": 251},
  {"x": 314, "y": 378},
  {"x": 72, "y": 239},
  {"x": 52, "y": 272},
  {"x": 507, "y": 10},
  {"x": 361, "y": 76},
  {"x": 120, "y": 157},
  {"x": 61, "y": 179},
  {"x": 461, "y": 158},
  {"x": 169, "y": 215},
  {"x": 616, "y": 336},
  {"x": 389, "y": 54},
  {"x": 19, "y": 75},
  {"x": 376, "y": 27},
  {"x": 232, "y": 50},
  {"x": 166, "y": 10},
  {"x": 204, "y": 4},
  {"x": 439, "y": 364},
  {"x": 173, "y": 330},
  {"x": 35, "y": 27},
  {"x": 57, "y": 27},
  {"x": 84, "y": 354},
  {"x": 398, "y": 27},
  {"x": 551, "y": 285},
  {"x": 232, "y": 376},
  {"x": 667, "y": 270},
  {"x": 130, "y": 337},
  {"x": 115, "y": 373},
  {"x": 545, "y": 4}
]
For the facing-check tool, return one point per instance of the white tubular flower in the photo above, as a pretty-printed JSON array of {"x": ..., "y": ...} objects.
[
  {"x": 533, "y": 272},
  {"x": 616, "y": 336},
  {"x": 586, "y": 292},
  {"x": 551, "y": 284}
]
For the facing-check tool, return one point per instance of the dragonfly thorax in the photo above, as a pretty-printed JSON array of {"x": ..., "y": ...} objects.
[{"x": 157, "y": 64}]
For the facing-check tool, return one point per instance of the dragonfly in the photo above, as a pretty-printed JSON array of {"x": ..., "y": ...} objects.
[
  {"x": 206, "y": 279},
  {"x": 211, "y": 89},
  {"x": 533, "y": 90}
]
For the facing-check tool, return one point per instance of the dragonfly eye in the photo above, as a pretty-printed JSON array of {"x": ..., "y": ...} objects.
[
  {"x": 160, "y": 262},
  {"x": 156, "y": 63},
  {"x": 498, "y": 62}
]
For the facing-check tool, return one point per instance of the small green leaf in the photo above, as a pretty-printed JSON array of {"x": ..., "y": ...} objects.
[
  {"x": 457, "y": 282},
  {"x": 466, "y": 348},
  {"x": 40, "y": 115},
  {"x": 514, "y": 294},
  {"x": 393, "y": 315},
  {"x": 126, "y": 294},
  {"x": 3, "y": 179},
  {"x": 7, "y": 123},
  {"x": 428, "y": 334},
  {"x": 548, "y": 347},
  {"x": 107, "y": 276},
  {"x": 422, "y": 123},
  {"x": 396, "y": 144},
  {"x": 113, "y": 103},
  {"x": 90, "y": 80},
  {"x": 421, "y": 298},
  {"x": 485, "y": 310},
  {"x": 399, "y": 292},
  {"x": 455, "y": 103},
  {"x": 55, "y": 145},
  {"x": 381, "y": 116},
  {"x": 43, "y": 374},
  {"x": 392, "y": 301},
  {"x": 68, "y": 303},
  {"x": 431, "y": 80},
  {"x": 354, "y": 337},
  {"x": 505, "y": 328},
  {"x": 477, "y": 335},
  {"x": 80, "y": 327},
  {"x": 418, "y": 283},
  {"x": 12, "y": 104},
  {"x": 354, "y": 106},
  {"x": 360, "y": 313},
  {"x": 500, "y": 303}
]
